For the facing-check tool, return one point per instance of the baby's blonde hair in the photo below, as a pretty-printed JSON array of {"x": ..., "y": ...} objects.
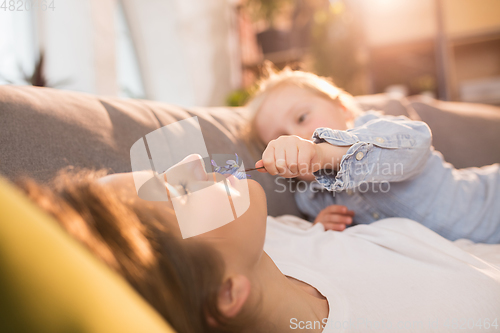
[{"x": 273, "y": 79}]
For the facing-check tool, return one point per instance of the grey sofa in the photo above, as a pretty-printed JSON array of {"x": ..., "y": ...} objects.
[{"x": 43, "y": 130}]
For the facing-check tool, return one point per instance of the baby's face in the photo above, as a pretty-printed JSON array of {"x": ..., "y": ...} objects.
[{"x": 292, "y": 110}]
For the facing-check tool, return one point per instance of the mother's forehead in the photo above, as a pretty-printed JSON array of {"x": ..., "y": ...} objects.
[{"x": 123, "y": 185}]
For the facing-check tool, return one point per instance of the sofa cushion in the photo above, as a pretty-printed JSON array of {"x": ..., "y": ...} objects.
[
  {"x": 43, "y": 130},
  {"x": 395, "y": 106},
  {"x": 467, "y": 134}
]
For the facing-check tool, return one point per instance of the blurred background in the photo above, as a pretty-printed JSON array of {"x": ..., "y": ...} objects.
[{"x": 211, "y": 52}]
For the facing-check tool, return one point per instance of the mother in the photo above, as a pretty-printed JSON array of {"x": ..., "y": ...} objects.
[{"x": 391, "y": 274}]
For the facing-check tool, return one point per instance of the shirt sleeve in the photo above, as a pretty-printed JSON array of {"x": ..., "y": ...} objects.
[{"x": 383, "y": 149}]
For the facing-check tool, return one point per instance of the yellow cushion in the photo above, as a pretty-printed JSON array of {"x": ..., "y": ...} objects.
[{"x": 50, "y": 283}]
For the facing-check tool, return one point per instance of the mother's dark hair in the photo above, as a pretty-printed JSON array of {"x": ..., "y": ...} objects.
[{"x": 179, "y": 277}]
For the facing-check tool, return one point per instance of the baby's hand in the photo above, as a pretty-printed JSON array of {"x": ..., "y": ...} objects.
[
  {"x": 335, "y": 217},
  {"x": 290, "y": 156}
]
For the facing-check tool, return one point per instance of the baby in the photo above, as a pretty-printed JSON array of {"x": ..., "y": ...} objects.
[{"x": 375, "y": 165}]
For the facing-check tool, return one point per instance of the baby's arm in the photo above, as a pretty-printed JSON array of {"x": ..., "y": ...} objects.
[{"x": 385, "y": 149}]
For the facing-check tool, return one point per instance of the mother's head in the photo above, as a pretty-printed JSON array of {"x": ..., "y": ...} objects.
[{"x": 198, "y": 284}]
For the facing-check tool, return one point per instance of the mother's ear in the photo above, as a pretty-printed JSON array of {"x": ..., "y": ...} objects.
[{"x": 233, "y": 294}]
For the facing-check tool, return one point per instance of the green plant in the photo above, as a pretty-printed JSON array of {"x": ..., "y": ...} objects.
[{"x": 238, "y": 97}]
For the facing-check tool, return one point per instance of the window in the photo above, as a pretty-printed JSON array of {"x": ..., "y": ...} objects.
[{"x": 18, "y": 51}]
